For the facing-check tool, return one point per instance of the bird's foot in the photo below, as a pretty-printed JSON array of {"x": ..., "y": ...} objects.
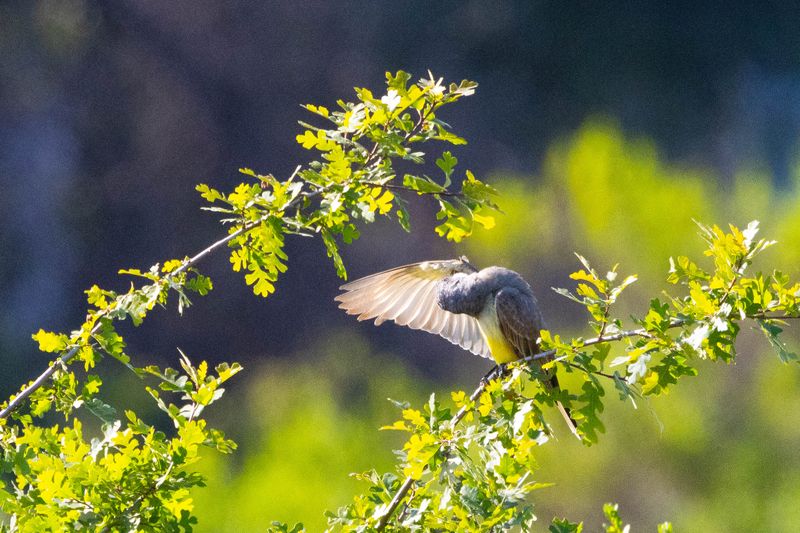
[{"x": 496, "y": 372}]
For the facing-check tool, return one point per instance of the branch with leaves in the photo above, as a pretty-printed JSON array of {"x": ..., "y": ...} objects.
[
  {"x": 132, "y": 477},
  {"x": 472, "y": 468},
  {"x": 467, "y": 465}
]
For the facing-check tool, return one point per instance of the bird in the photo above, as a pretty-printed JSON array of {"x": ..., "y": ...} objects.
[{"x": 491, "y": 312}]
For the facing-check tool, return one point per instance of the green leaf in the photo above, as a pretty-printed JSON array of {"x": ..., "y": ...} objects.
[
  {"x": 209, "y": 194},
  {"x": 281, "y": 527},
  {"x": 442, "y": 134},
  {"x": 50, "y": 342},
  {"x": 562, "y": 525},
  {"x": 200, "y": 284},
  {"x": 101, "y": 410},
  {"x": 349, "y": 233},
  {"x": 423, "y": 185},
  {"x": 772, "y": 331},
  {"x": 477, "y": 190},
  {"x": 333, "y": 252},
  {"x": 447, "y": 163},
  {"x": 398, "y": 81},
  {"x": 588, "y": 413},
  {"x": 403, "y": 216},
  {"x": 110, "y": 341},
  {"x": 615, "y": 524}
]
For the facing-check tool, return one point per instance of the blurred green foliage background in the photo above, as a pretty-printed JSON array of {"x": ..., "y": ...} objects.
[
  {"x": 717, "y": 454},
  {"x": 606, "y": 131}
]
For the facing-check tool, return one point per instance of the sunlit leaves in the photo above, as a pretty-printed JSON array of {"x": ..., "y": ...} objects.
[
  {"x": 598, "y": 293},
  {"x": 133, "y": 476},
  {"x": 50, "y": 342},
  {"x": 460, "y": 213},
  {"x": 772, "y": 331},
  {"x": 471, "y": 464},
  {"x": 333, "y": 252},
  {"x": 209, "y": 194},
  {"x": 317, "y": 140},
  {"x": 260, "y": 252},
  {"x": 562, "y": 525},
  {"x": 130, "y": 475},
  {"x": 350, "y": 181},
  {"x": 615, "y": 524},
  {"x": 459, "y": 465},
  {"x": 456, "y": 224},
  {"x": 704, "y": 323},
  {"x": 684, "y": 270},
  {"x": 378, "y": 200}
]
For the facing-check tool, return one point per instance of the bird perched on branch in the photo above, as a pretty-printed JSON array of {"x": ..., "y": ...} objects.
[{"x": 491, "y": 312}]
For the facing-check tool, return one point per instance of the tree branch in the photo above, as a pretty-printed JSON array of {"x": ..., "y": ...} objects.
[
  {"x": 409, "y": 481},
  {"x": 641, "y": 332},
  {"x": 421, "y": 193},
  {"x": 17, "y": 400}
]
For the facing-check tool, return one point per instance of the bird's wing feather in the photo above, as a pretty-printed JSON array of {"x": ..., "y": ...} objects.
[
  {"x": 407, "y": 295},
  {"x": 519, "y": 318}
]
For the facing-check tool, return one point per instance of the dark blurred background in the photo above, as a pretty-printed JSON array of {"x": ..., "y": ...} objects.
[{"x": 606, "y": 127}]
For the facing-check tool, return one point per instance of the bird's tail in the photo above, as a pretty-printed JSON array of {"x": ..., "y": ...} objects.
[{"x": 573, "y": 426}]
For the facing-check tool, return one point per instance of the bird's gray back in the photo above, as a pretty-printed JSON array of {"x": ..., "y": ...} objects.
[{"x": 468, "y": 292}]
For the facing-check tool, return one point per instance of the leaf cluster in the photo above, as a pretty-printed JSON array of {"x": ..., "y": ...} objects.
[
  {"x": 132, "y": 476},
  {"x": 474, "y": 468},
  {"x": 353, "y": 180}
]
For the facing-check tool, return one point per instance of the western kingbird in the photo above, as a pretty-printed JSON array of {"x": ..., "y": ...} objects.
[{"x": 491, "y": 312}]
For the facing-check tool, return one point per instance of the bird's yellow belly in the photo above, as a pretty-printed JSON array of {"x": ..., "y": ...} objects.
[{"x": 502, "y": 350}]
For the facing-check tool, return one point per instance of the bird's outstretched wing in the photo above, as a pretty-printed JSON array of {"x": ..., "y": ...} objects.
[{"x": 407, "y": 296}]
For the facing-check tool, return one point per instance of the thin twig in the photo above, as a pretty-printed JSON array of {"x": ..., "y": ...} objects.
[
  {"x": 409, "y": 481},
  {"x": 38, "y": 382},
  {"x": 200, "y": 255},
  {"x": 15, "y": 402},
  {"x": 596, "y": 372},
  {"x": 70, "y": 354},
  {"x": 764, "y": 316},
  {"x": 421, "y": 193},
  {"x": 605, "y": 320}
]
